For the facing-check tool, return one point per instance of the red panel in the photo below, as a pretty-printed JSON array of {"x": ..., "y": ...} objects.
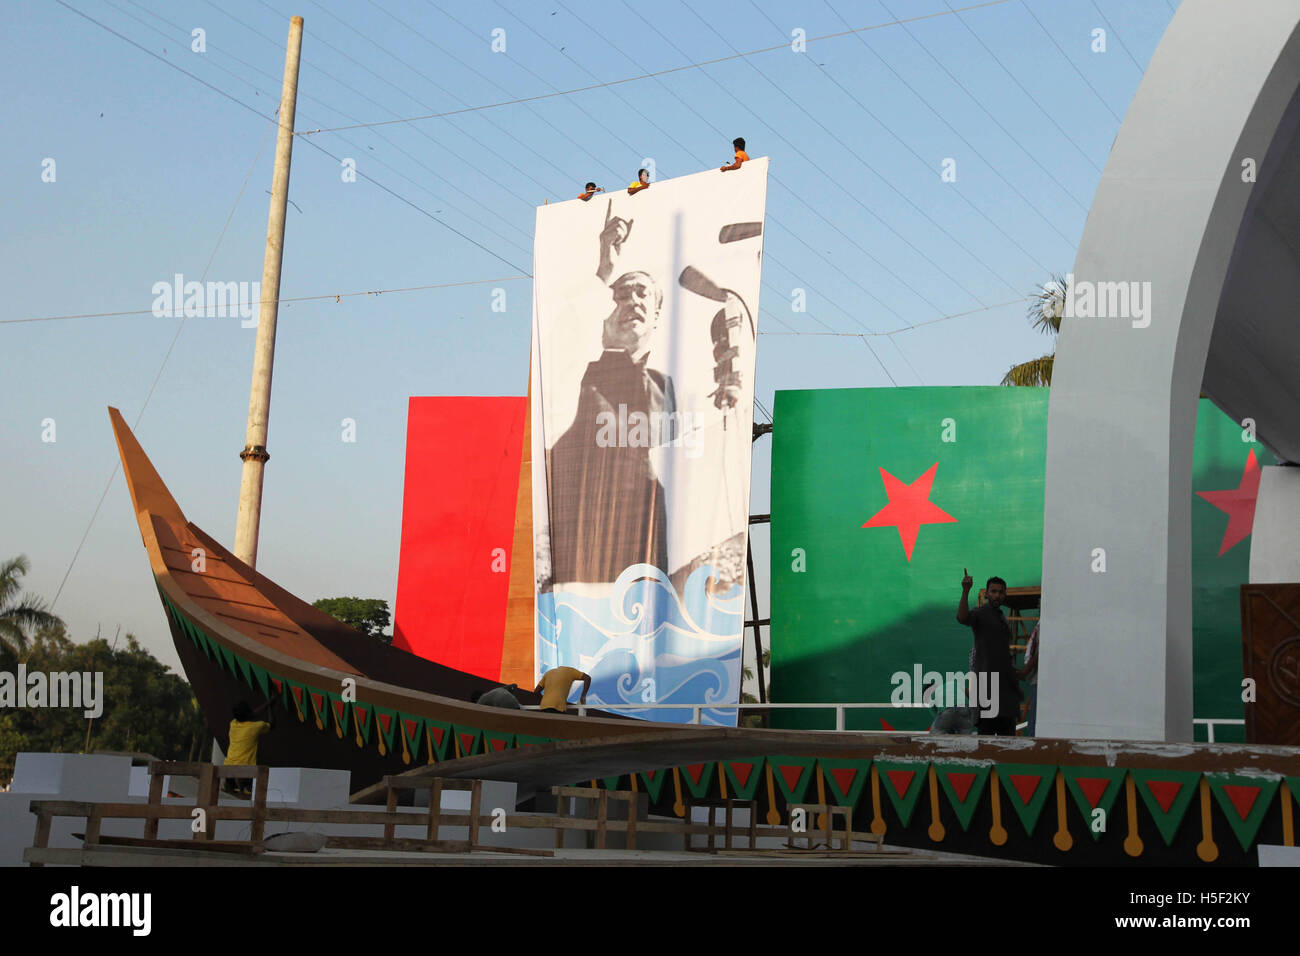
[{"x": 458, "y": 509}]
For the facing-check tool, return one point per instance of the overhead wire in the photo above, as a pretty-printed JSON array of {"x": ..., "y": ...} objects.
[
  {"x": 1005, "y": 69},
  {"x": 1066, "y": 57},
  {"x": 656, "y": 73},
  {"x": 991, "y": 167},
  {"x": 357, "y": 146},
  {"x": 857, "y": 156}
]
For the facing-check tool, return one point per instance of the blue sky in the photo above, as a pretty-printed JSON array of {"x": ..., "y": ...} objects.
[{"x": 149, "y": 164}]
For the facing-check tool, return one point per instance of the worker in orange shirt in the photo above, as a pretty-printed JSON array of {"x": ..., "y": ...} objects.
[
  {"x": 741, "y": 155},
  {"x": 590, "y": 191},
  {"x": 556, "y": 684},
  {"x": 643, "y": 182}
]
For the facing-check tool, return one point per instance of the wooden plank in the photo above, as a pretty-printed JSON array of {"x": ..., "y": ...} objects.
[
  {"x": 93, "y": 822},
  {"x": 391, "y": 806},
  {"x": 156, "y": 778},
  {"x": 240, "y": 847},
  {"x": 475, "y": 808},
  {"x": 397, "y": 843},
  {"x": 602, "y": 817},
  {"x": 435, "y": 809},
  {"x": 41, "y": 839},
  {"x": 259, "y": 804}
]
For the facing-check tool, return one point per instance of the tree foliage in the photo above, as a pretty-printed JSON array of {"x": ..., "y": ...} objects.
[
  {"x": 1044, "y": 313},
  {"x": 146, "y": 708},
  {"x": 370, "y": 616},
  {"x": 21, "y": 615}
]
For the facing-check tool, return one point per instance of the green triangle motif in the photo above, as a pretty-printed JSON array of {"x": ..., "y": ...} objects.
[
  {"x": 468, "y": 740},
  {"x": 954, "y": 778},
  {"x": 318, "y": 707},
  {"x": 1017, "y": 779},
  {"x": 338, "y": 714},
  {"x": 1176, "y": 786},
  {"x": 845, "y": 779},
  {"x": 528, "y": 740},
  {"x": 412, "y": 728},
  {"x": 438, "y": 733},
  {"x": 1100, "y": 784},
  {"x": 792, "y": 776},
  {"x": 297, "y": 694},
  {"x": 654, "y": 782},
  {"x": 743, "y": 777},
  {"x": 611, "y": 783},
  {"x": 386, "y": 725},
  {"x": 494, "y": 742},
  {"x": 260, "y": 679},
  {"x": 1237, "y": 792},
  {"x": 361, "y": 722},
  {"x": 902, "y": 781},
  {"x": 696, "y": 778}
]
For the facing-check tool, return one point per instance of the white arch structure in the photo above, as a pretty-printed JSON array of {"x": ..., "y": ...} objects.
[{"x": 1176, "y": 208}]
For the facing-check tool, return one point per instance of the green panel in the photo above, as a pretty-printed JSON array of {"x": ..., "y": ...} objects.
[
  {"x": 860, "y": 610},
  {"x": 468, "y": 740},
  {"x": 412, "y": 727},
  {"x": 849, "y": 609}
]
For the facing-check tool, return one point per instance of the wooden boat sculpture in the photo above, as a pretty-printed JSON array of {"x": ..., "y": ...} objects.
[{"x": 350, "y": 702}]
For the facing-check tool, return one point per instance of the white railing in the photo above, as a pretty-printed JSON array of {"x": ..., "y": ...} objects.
[{"x": 697, "y": 709}]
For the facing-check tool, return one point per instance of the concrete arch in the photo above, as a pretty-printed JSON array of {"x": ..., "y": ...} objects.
[{"x": 1220, "y": 257}]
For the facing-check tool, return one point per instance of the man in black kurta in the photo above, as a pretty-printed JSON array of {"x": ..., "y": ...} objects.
[
  {"x": 606, "y": 502},
  {"x": 992, "y": 661}
]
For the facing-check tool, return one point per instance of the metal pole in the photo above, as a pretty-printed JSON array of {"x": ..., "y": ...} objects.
[{"x": 259, "y": 402}]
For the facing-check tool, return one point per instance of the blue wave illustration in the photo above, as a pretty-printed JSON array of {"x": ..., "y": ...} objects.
[{"x": 642, "y": 643}]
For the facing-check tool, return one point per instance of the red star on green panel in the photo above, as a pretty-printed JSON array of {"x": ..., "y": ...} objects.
[
  {"x": 909, "y": 507},
  {"x": 1239, "y": 503}
]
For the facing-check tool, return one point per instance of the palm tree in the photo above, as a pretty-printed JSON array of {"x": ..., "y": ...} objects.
[
  {"x": 1044, "y": 312},
  {"x": 19, "y": 616}
]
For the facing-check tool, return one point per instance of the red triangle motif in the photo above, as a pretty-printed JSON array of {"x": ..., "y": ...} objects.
[
  {"x": 466, "y": 744},
  {"x": 1094, "y": 788},
  {"x": 1026, "y": 785},
  {"x": 741, "y": 771},
  {"x": 438, "y": 733},
  {"x": 410, "y": 728},
  {"x": 386, "y": 721},
  {"x": 961, "y": 784},
  {"x": 791, "y": 776},
  {"x": 363, "y": 711},
  {"x": 1165, "y": 792},
  {"x": 338, "y": 710},
  {"x": 695, "y": 771},
  {"x": 496, "y": 744},
  {"x": 318, "y": 701},
  {"x": 885, "y": 725},
  {"x": 297, "y": 693},
  {"x": 901, "y": 779},
  {"x": 651, "y": 774},
  {"x": 844, "y": 777},
  {"x": 1242, "y": 797},
  {"x": 275, "y": 682}
]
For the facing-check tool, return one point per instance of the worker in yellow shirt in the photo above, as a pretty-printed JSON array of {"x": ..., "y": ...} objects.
[
  {"x": 642, "y": 182},
  {"x": 741, "y": 155},
  {"x": 556, "y": 684},
  {"x": 242, "y": 752}
]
